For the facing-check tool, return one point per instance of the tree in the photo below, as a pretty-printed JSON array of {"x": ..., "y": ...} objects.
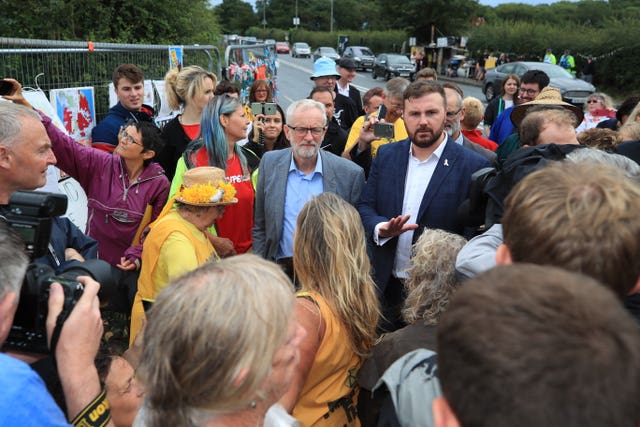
[
  {"x": 451, "y": 17},
  {"x": 236, "y": 16},
  {"x": 140, "y": 21}
]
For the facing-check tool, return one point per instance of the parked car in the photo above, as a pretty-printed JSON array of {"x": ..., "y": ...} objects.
[
  {"x": 283, "y": 47},
  {"x": 362, "y": 55},
  {"x": 269, "y": 41},
  {"x": 390, "y": 65},
  {"x": 326, "y": 51},
  {"x": 573, "y": 90},
  {"x": 301, "y": 49}
]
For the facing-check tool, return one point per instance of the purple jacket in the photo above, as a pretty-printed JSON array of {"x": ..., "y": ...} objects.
[{"x": 116, "y": 207}]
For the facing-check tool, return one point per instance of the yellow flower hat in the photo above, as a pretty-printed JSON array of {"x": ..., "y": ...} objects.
[{"x": 206, "y": 186}]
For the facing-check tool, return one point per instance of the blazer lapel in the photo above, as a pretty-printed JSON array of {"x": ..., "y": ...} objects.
[
  {"x": 277, "y": 196},
  {"x": 329, "y": 180},
  {"x": 400, "y": 163},
  {"x": 445, "y": 165}
]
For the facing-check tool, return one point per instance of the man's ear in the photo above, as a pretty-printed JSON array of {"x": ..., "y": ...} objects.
[
  {"x": 443, "y": 416},
  {"x": 503, "y": 255},
  {"x": 287, "y": 132},
  {"x": 463, "y": 110},
  {"x": 8, "y": 308},
  {"x": 5, "y": 157}
]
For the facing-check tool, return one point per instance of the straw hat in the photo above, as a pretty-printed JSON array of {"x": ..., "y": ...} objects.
[
  {"x": 549, "y": 96},
  {"x": 206, "y": 186},
  {"x": 324, "y": 67}
]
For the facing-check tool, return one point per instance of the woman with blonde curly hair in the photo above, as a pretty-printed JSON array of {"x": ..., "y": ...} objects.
[
  {"x": 201, "y": 366},
  {"x": 431, "y": 283},
  {"x": 338, "y": 308}
]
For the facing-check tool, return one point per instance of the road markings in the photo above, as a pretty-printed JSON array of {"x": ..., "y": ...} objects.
[{"x": 310, "y": 71}]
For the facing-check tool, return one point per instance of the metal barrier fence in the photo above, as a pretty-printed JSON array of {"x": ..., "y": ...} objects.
[{"x": 50, "y": 64}]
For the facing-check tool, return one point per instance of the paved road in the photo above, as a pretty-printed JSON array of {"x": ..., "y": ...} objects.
[{"x": 294, "y": 83}]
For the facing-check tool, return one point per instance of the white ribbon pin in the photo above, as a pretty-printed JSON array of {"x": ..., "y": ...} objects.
[{"x": 446, "y": 162}]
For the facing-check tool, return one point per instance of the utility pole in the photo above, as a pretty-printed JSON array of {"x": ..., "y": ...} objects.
[
  {"x": 264, "y": 14},
  {"x": 331, "y": 23}
]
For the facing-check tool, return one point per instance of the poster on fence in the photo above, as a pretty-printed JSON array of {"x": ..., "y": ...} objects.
[
  {"x": 76, "y": 109},
  {"x": 175, "y": 57},
  {"x": 149, "y": 96},
  {"x": 39, "y": 101}
]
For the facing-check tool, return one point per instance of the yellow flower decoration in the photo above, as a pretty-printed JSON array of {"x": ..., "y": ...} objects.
[{"x": 208, "y": 193}]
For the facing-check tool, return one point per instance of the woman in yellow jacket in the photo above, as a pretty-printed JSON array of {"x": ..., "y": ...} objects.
[{"x": 177, "y": 242}]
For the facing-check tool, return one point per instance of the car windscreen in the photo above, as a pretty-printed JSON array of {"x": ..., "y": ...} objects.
[
  {"x": 366, "y": 51},
  {"x": 399, "y": 59},
  {"x": 553, "y": 71}
]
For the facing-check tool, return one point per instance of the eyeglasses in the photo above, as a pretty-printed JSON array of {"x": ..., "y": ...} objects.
[
  {"x": 261, "y": 91},
  {"x": 128, "y": 138},
  {"x": 301, "y": 132},
  {"x": 593, "y": 101},
  {"x": 529, "y": 91},
  {"x": 452, "y": 114}
]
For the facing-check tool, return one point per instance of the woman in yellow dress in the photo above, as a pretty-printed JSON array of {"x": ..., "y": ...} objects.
[{"x": 177, "y": 242}]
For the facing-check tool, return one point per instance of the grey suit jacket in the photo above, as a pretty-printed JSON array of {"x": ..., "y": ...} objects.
[
  {"x": 339, "y": 176},
  {"x": 487, "y": 154}
]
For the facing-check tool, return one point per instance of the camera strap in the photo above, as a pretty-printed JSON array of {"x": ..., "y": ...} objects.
[
  {"x": 55, "y": 336},
  {"x": 95, "y": 414}
]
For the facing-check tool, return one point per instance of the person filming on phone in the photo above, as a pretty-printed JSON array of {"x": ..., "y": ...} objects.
[{"x": 363, "y": 141}]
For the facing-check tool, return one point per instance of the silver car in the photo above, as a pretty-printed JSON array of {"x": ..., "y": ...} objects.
[
  {"x": 326, "y": 51},
  {"x": 301, "y": 49},
  {"x": 573, "y": 90}
]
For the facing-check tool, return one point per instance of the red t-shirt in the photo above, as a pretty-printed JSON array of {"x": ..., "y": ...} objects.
[
  {"x": 237, "y": 222},
  {"x": 191, "y": 131}
]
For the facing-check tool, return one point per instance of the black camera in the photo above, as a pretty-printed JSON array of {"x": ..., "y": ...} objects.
[
  {"x": 30, "y": 214},
  {"x": 28, "y": 332}
]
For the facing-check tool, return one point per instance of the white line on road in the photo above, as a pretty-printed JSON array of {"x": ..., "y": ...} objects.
[{"x": 310, "y": 71}]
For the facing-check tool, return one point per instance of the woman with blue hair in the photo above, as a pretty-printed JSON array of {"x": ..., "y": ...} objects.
[{"x": 223, "y": 124}]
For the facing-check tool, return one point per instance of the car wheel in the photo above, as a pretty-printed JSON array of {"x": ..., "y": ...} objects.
[
  {"x": 387, "y": 76},
  {"x": 373, "y": 74},
  {"x": 489, "y": 92}
]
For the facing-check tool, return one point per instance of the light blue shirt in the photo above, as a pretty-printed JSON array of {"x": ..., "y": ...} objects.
[
  {"x": 25, "y": 400},
  {"x": 300, "y": 189}
]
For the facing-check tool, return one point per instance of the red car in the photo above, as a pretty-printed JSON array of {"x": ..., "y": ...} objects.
[{"x": 282, "y": 47}]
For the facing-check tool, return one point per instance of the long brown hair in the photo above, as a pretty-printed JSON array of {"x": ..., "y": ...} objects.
[{"x": 330, "y": 258}]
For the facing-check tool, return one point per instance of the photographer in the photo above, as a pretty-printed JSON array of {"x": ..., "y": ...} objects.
[
  {"x": 77, "y": 345},
  {"x": 25, "y": 154}
]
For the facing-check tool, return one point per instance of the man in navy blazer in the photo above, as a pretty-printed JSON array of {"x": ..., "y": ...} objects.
[
  {"x": 415, "y": 183},
  {"x": 290, "y": 177}
]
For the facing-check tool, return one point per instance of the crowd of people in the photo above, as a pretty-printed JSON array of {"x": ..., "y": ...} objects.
[{"x": 402, "y": 257}]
